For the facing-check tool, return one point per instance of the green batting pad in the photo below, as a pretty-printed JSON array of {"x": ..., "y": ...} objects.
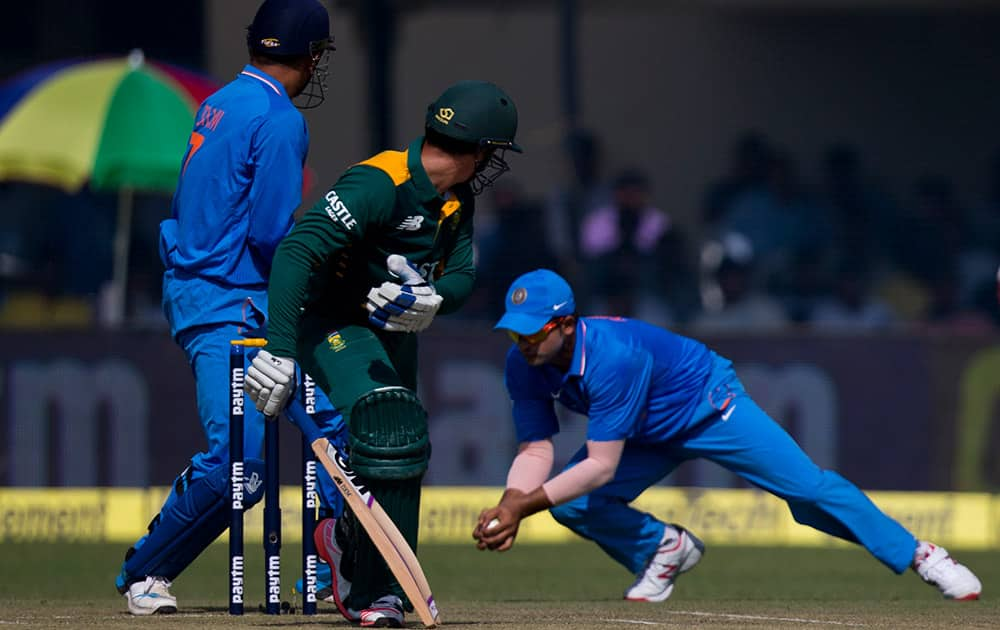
[{"x": 388, "y": 435}]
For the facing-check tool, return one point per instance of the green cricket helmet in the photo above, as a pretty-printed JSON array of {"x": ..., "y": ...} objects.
[
  {"x": 476, "y": 112},
  {"x": 481, "y": 115}
]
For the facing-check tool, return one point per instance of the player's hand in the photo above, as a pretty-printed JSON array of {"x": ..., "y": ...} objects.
[
  {"x": 270, "y": 382},
  {"x": 496, "y": 529},
  {"x": 407, "y": 307}
]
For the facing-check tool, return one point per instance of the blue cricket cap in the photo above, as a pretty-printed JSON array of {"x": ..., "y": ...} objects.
[
  {"x": 288, "y": 28},
  {"x": 533, "y": 299}
]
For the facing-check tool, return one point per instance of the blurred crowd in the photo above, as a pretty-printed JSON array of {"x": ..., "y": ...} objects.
[
  {"x": 767, "y": 250},
  {"x": 57, "y": 257}
]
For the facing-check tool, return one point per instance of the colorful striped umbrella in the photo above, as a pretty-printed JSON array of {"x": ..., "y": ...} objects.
[
  {"x": 120, "y": 124},
  {"x": 116, "y": 122}
]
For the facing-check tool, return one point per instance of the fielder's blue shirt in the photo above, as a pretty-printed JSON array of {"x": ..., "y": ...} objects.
[
  {"x": 634, "y": 381},
  {"x": 240, "y": 184}
]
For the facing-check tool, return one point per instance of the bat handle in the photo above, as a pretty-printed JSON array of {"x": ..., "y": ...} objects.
[{"x": 297, "y": 415}]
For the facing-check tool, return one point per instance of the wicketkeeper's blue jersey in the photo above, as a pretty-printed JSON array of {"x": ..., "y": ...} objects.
[
  {"x": 240, "y": 183},
  {"x": 633, "y": 380}
]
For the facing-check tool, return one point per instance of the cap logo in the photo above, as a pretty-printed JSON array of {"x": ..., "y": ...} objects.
[
  {"x": 444, "y": 115},
  {"x": 519, "y": 296},
  {"x": 270, "y": 42}
]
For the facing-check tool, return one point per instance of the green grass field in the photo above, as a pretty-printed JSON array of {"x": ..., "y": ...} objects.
[{"x": 539, "y": 587}]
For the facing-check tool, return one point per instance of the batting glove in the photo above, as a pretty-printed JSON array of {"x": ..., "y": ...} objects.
[
  {"x": 270, "y": 382},
  {"x": 407, "y": 307}
]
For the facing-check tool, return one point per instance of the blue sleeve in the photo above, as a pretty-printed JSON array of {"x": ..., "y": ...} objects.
[
  {"x": 617, "y": 385},
  {"x": 532, "y": 404},
  {"x": 278, "y": 155}
]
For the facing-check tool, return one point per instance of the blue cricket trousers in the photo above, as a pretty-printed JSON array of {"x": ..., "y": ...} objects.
[
  {"x": 744, "y": 439},
  {"x": 207, "y": 350}
]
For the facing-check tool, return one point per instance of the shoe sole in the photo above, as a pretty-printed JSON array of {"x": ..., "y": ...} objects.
[
  {"x": 136, "y": 611},
  {"x": 971, "y": 597},
  {"x": 652, "y": 600},
  {"x": 162, "y": 610}
]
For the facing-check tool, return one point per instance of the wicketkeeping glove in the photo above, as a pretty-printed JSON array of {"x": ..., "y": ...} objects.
[
  {"x": 270, "y": 382},
  {"x": 407, "y": 307}
]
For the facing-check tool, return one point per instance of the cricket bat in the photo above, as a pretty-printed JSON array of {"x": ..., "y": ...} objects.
[{"x": 383, "y": 532}]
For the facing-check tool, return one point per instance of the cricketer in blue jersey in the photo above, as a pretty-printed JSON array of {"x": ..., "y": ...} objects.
[
  {"x": 655, "y": 399},
  {"x": 240, "y": 183}
]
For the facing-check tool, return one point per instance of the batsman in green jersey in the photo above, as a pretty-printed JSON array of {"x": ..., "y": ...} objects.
[{"x": 358, "y": 276}]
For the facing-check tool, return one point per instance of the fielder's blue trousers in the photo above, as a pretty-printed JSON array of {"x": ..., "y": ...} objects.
[{"x": 744, "y": 439}]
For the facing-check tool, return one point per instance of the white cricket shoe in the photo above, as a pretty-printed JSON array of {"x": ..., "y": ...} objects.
[
  {"x": 384, "y": 612},
  {"x": 330, "y": 551},
  {"x": 937, "y": 568},
  {"x": 679, "y": 551},
  {"x": 151, "y": 596}
]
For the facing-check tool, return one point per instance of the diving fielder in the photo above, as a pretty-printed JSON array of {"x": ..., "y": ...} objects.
[
  {"x": 338, "y": 311},
  {"x": 240, "y": 183},
  {"x": 653, "y": 400}
]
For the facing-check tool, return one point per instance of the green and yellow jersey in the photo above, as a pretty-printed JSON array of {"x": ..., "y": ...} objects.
[{"x": 336, "y": 253}]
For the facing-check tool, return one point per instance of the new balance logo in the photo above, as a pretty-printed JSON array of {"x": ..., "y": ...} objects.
[{"x": 411, "y": 223}]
